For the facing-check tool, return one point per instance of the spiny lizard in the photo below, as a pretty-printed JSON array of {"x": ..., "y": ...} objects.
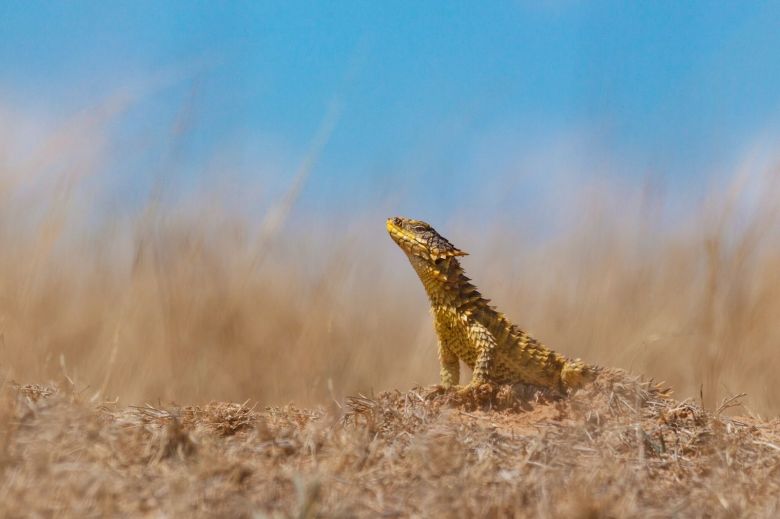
[{"x": 472, "y": 330}]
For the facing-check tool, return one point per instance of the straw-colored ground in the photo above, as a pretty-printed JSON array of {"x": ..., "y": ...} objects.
[
  {"x": 616, "y": 450},
  {"x": 197, "y": 298}
]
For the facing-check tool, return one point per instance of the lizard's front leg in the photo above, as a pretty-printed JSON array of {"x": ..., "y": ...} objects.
[
  {"x": 450, "y": 366},
  {"x": 485, "y": 344}
]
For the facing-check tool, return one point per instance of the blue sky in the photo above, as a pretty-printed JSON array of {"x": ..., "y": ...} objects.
[{"x": 433, "y": 99}]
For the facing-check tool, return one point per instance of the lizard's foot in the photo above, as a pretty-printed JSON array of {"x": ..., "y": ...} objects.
[
  {"x": 437, "y": 391},
  {"x": 473, "y": 395},
  {"x": 474, "y": 391}
]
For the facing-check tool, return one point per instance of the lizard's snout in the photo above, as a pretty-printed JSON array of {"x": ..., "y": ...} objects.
[{"x": 393, "y": 223}]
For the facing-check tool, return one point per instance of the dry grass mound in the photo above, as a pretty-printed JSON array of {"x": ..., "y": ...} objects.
[{"x": 621, "y": 448}]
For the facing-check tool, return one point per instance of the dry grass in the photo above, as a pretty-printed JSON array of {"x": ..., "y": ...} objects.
[
  {"x": 196, "y": 301},
  {"x": 617, "y": 450},
  {"x": 186, "y": 302}
]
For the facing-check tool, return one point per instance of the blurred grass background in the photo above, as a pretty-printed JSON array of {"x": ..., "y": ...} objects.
[{"x": 191, "y": 298}]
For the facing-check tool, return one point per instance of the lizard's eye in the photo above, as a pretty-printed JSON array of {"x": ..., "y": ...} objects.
[{"x": 419, "y": 228}]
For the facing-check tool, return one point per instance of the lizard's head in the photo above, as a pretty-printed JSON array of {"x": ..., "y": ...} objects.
[{"x": 418, "y": 239}]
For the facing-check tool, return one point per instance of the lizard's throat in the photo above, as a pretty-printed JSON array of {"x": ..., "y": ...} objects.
[{"x": 442, "y": 282}]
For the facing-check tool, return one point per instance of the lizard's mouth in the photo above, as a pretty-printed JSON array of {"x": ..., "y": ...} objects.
[
  {"x": 392, "y": 224},
  {"x": 399, "y": 234},
  {"x": 405, "y": 238}
]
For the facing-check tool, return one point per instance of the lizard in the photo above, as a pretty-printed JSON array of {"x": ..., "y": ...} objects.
[{"x": 471, "y": 330}]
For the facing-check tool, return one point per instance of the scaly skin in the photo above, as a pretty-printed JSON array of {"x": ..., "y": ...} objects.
[{"x": 471, "y": 330}]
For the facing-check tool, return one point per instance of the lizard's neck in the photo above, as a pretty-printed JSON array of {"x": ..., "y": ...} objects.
[{"x": 447, "y": 285}]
